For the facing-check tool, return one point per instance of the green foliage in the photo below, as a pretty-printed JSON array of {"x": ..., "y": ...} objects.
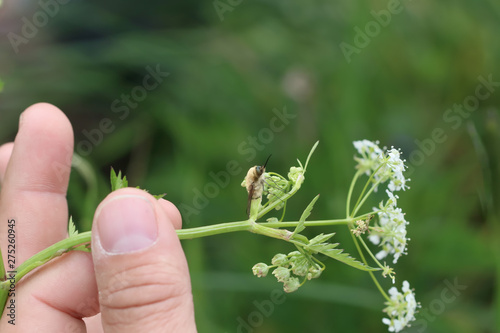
[
  {"x": 72, "y": 231},
  {"x": 117, "y": 181},
  {"x": 300, "y": 227}
]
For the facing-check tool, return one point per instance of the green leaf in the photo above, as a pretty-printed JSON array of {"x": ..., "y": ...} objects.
[
  {"x": 72, "y": 228},
  {"x": 117, "y": 182},
  {"x": 321, "y": 238},
  {"x": 300, "y": 164},
  {"x": 310, "y": 154},
  {"x": 1, "y": 82},
  {"x": 304, "y": 216},
  {"x": 338, "y": 254}
]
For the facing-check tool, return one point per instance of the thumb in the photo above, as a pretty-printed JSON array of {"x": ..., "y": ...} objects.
[{"x": 140, "y": 268}]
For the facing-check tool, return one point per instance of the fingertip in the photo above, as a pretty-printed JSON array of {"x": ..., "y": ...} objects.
[
  {"x": 130, "y": 277},
  {"x": 45, "y": 113},
  {"x": 172, "y": 213},
  {"x": 45, "y": 139}
]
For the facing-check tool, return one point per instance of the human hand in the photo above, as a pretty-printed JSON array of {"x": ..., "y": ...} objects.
[{"x": 136, "y": 278}]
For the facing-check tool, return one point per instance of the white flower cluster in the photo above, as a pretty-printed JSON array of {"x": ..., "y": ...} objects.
[
  {"x": 383, "y": 164},
  {"x": 390, "y": 233},
  {"x": 401, "y": 308}
]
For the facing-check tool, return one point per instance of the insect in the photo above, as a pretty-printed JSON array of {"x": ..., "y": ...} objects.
[{"x": 255, "y": 181}]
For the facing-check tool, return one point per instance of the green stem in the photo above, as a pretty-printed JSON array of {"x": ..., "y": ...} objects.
[
  {"x": 47, "y": 254},
  {"x": 349, "y": 195},
  {"x": 270, "y": 229},
  {"x": 360, "y": 202},
  {"x": 214, "y": 229},
  {"x": 41, "y": 258},
  {"x": 306, "y": 223},
  {"x": 379, "y": 287},
  {"x": 257, "y": 228},
  {"x": 370, "y": 253}
]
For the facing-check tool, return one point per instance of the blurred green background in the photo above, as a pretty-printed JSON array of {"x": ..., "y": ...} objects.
[{"x": 230, "y": 64}]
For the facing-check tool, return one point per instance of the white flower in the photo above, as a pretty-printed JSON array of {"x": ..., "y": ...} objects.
[
  {"x": 400, "y": 308},
  {"x": 371, "y": 155},
  {"x": 398, "y": 181},
  {"x": 390, "y": 233},
  {"x": 387, "y": 164}
]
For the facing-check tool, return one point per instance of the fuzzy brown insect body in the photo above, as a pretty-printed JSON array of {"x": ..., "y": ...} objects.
[{"x": 254, "y": 181}]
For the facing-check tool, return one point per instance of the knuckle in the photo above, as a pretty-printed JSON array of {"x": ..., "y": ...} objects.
[{"x": 158, "y": 286}]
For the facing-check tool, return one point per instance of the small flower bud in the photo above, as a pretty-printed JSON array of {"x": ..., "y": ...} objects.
[
  {"x": 296, "y": 174},
  {"x": 281, "y": 273},
  {"x": 314, "y": 273},
  {"x": 260, "y": 269},
  {"x": 300, "y": 270},
  {"x": 291, "y": 285},
  {"x": 280, "y": 259}
]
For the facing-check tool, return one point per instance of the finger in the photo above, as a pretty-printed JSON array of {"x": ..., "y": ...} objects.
[
  {"x": 55, "y": 298},
  {"x": 5, "y": 152},
  {"x": 34, "y": 187},
  {"x": 171, "y": 211},
  {"x": 94, "y": 324},
  {"x": 141, "y": 270}
]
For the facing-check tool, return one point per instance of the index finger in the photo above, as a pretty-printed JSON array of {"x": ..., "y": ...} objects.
[{"x": 34, "y": 187}]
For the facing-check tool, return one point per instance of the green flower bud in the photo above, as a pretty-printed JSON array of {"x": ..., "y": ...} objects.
[
  {"x": 314, "y": 273},
  {"x": 281, "y": 273},
  {"x": 294, "y": 174},
  {"x": 300, "y": 270},
  {"x": 260, "y": 269},
  {"x": 280, "y": 259},
  {"x": 300, "y": 265},
  {"x": 291, "y": 285}
]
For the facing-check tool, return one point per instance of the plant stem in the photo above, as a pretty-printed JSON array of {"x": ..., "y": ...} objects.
[
  {"x": 361, "y": 240},
  {"x": 214, "y": 229},
  {"x": 360, "y": 202},
  {"x": 379, "y": 287},
  {"x": 317, "y": 223},
  {"x": 49, "y": 253},
  {"x": 41, "y": 258},
  {"x": 349, "y": 194}
]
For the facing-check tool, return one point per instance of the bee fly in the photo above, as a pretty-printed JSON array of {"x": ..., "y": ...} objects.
[{"x": 254, "y": 181}]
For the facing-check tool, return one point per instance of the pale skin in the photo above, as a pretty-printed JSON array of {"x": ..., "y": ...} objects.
[{"x": 135, "y": 280}]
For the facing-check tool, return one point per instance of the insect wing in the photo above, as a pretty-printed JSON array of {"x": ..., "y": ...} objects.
[{"x": 250, "y": 195}]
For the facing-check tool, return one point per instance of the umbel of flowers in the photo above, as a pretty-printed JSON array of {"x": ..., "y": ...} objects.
[{"x": 382, "y": 166}]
